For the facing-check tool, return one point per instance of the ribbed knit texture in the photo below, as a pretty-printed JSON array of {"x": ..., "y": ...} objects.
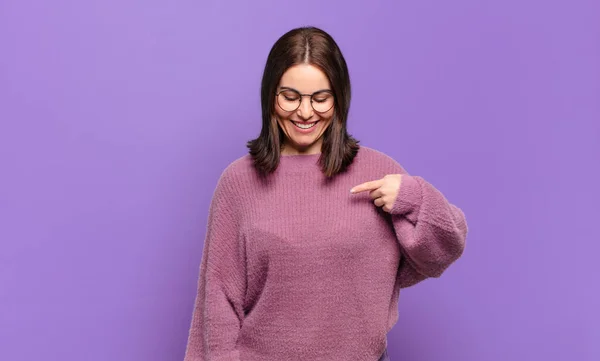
[{"x": 296, "y": 268}]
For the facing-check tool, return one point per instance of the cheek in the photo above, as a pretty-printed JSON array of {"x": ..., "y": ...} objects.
[
  {"x": 327, "y": 117},
  {"x": 281, "y": 120},
  {"x": 281, "y": 114}
]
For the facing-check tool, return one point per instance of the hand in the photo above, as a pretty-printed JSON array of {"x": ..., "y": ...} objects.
[{"x": 383, "y": 191}]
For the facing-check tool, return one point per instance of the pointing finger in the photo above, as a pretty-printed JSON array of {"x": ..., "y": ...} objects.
[{"x": 367, "y": 186}]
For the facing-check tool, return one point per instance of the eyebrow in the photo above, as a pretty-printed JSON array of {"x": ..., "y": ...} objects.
[{"x": 296, "y": 90}]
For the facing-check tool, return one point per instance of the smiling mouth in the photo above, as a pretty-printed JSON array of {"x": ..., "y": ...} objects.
[{"x": 305, "y": 126}]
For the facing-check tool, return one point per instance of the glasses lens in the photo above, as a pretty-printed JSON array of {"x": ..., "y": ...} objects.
[
  {"x": 322, "y": 102},
  {"x": 288, "y": 100}
]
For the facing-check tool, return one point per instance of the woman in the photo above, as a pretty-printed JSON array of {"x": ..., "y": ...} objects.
[{"x": 310, "y": 236}]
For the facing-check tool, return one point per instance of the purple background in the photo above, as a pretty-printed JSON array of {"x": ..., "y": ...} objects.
[{"x": 117, "y": 117}]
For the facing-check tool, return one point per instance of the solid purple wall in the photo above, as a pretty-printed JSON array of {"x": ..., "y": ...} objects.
[{"x": 117, "y": 117}]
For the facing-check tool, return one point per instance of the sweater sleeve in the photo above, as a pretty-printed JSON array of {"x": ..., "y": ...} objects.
[
  {"x": 431, "y": 231},
  {"x": 218, "y": 308}
]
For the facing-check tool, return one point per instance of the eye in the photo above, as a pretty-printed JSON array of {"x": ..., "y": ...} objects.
[
  {"x": 322, "y": 97},
  {"x": 289, "y": 95}
]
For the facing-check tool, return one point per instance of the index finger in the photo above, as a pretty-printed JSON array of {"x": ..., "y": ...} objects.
[{"x": 367, "y": 186}]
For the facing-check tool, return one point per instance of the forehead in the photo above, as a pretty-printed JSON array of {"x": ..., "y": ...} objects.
[{"x": 305, "y": 78}]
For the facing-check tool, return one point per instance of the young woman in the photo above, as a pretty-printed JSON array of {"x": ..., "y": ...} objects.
[{"x": 310, "y": 236}]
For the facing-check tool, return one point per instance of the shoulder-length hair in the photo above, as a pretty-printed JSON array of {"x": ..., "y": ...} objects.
[{"x": 305, "y": 45}]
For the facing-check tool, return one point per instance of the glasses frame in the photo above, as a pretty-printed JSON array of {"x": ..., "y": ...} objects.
[{"x": 301, "y": 96}]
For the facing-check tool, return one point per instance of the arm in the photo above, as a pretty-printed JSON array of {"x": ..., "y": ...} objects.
[
  {"x": 431, "y": 231},
  {"x": 218, "y": 308}
]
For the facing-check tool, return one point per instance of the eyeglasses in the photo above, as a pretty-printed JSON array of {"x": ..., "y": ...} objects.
[{"x": 290, "y": 99}]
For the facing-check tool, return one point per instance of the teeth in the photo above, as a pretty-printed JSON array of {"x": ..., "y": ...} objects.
[{"x": 305, "y": 126}]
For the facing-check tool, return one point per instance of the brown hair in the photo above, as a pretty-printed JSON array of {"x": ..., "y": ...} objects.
[{"x": 308, "y": 45}]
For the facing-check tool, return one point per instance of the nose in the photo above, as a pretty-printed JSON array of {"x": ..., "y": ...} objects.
[{"x": 305, "y": 110}]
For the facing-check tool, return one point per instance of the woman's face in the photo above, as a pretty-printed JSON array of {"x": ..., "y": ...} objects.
[{"x": 304, "y": 126}]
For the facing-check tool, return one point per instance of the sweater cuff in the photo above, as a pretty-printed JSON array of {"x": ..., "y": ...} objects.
[{"x": 409, "y": 196}]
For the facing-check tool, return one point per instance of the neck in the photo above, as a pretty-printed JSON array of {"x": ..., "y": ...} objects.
[{"x": 290, "y": 150}]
